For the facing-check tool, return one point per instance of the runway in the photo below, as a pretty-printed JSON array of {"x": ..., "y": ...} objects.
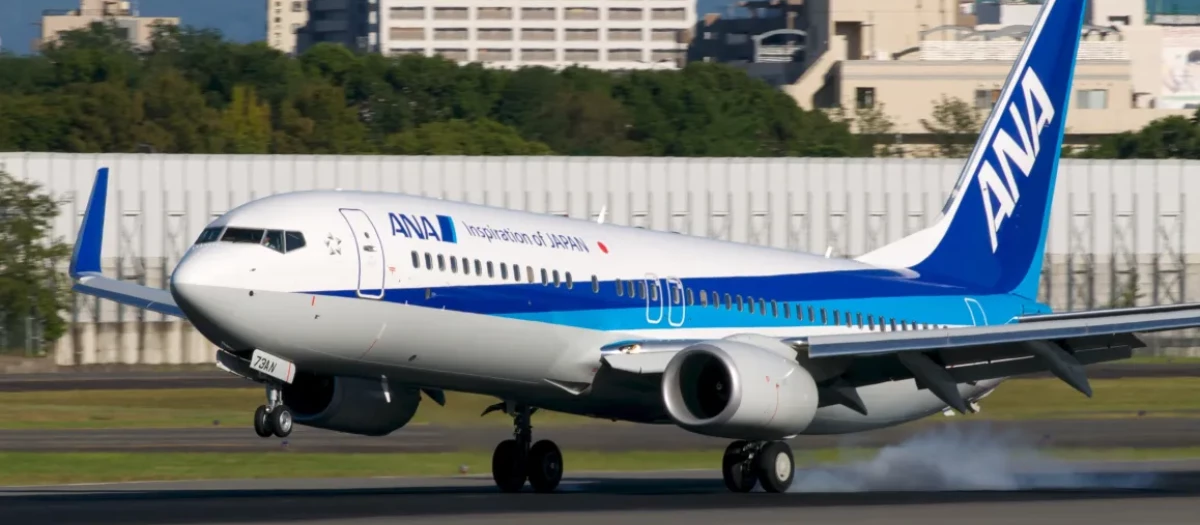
[
  {"x": 1098, "y": 433},
  {"x": 108, "y": 380},
  {"x": 1096, "y": 495}
]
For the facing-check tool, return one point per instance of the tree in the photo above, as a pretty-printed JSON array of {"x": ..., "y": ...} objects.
[
  {"x": 32, "y": 289},
  {"x": 955, "y": 126},
  {"x": 246, "y": 123},
  {"x": 873, "y": 127},
  {"x": 460, "y": 137}
]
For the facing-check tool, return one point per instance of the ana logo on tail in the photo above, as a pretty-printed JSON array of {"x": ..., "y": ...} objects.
[{"x": 1029, "y": 122}]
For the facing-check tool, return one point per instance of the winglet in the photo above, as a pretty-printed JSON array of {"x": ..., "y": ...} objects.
[{"x": 86, "y": 257}]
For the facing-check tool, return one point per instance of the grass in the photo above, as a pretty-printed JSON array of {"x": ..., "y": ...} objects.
[
  {"x": 192, "y": 408},
  {"x": 47, "y": 468}
]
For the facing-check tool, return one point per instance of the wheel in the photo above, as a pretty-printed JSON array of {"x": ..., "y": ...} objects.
[
  {"x": 508, "y": 469},
  {"x": 262, "y": 422},
  {"x": 776, "y": 467},
  {"x": 545, "y": 466},
  {"x": 739, "y": 477},
  {"x": 281, "y": 421}
]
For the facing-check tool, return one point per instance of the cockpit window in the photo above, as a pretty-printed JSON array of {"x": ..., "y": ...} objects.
[
  {"x": 274, "y": 240},
  {"x": 210, "y": 235},
  {"x": 278, "y": 240},
  {"x": 295, "y": 240},
  {"x": 245, "y": 235}
]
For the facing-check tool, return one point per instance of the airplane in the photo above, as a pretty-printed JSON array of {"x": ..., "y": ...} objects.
[{"x": 352, "y": 307}]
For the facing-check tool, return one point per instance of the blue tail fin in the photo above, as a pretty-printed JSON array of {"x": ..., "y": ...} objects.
[{"x": 992, "y": 235}]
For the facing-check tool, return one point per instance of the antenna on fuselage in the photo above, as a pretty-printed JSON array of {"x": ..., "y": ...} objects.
[{"x": 600, "y": 219}]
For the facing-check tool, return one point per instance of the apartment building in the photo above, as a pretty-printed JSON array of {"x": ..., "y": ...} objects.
[
  {"x": 600, "y": 34},
  {"x": 138, "y": 29},
  {"x": 284, "y": 19},
  {"x": 352, "y": 23}
]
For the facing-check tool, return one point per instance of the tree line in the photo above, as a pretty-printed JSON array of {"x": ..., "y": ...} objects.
[{"x": 191, "y": 91}]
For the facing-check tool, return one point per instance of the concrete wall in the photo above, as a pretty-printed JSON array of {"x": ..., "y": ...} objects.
[{"x": 1114, "y": 222}]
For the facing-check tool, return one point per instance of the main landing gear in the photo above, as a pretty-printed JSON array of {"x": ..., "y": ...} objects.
[
  {"x": 748, "y": 463},
  {"x": 518, "y": 459},
  {"x": 273, "y": 418}
]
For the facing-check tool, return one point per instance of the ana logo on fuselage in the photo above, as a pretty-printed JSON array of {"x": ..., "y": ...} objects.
[
  {"x": 420, "y": 227},
  {"x": 1029, "y": 123}
]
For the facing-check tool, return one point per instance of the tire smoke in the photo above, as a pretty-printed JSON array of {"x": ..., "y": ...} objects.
[{"x": 949, "y": 458}]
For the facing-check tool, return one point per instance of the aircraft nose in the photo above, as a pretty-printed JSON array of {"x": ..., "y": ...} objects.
[{"x": 200, "y": 287}]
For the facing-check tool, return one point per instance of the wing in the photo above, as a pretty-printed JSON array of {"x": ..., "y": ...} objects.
[
  {"x": 85, "y": 262},
  {"x": 942, "y": 358}
]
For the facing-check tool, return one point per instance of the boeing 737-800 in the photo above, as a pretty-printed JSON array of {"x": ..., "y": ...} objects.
[{"x": 351, "y": 307}]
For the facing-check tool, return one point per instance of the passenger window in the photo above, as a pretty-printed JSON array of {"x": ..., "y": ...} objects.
[
  {"x": 729, "y": 302},
  {"x": 629, "y": 286},
  {"x": 595, "y": 285},
  {"x": 570, "y": 282},
  {"x": 849, "y": 322},
  {"x": 453, "y": 264},
  {"x": 478, "y": 267},
  {"x": 871, "y": 322},
  {"x": 654, "y": 291},
  {"x": 691, "y": 297},
  {"x": 837, "y": 319},
  {"x": 556, "y": 281},
  {"x": 441, "y": 262},
  {"x": 892, "y": 321},
  {"x": 824, "y": 319},
  {"x": 210, "y": 235},
  {"x": 545, "y": 278},
  {"x": 762, "y": 306},
  {"x": 466, "y": 265},
  {"x": 740, "y": 304},
  {"x": 810, "y": 314},
  {"x": 676, "y": 295},
  {"x": 749, "y": 304},
  {"x": 491, "y": 270},
  {"x": 416, "y": 259},
  {"x": 858, "y": 316},
  {"x": 529, "y": 273},
  {"x": 274, "y": 240},
  {"x": 642, "y": 290},
  {"x": 503, "y": 270},
  {"x": 293, "y": 241},
  {"x": 620, "y": 289},
  {"x": 243, "y": 235},
  {"x": 516, "y": 269},
  {"x": 703, "y": 298},
  {"x": 428, "y": 261},
  {"x": 775, "y": 308}
]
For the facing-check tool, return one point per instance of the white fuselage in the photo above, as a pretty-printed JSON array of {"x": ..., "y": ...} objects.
[{"x": 379, "y": 289}]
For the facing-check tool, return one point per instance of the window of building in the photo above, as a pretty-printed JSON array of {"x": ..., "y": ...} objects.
[
  {"x": 297, "y": 7},
  {"x": 864, "y": 98},
  {"x": 1091, "y": 98},
  {"x": 986, "y": 98}
]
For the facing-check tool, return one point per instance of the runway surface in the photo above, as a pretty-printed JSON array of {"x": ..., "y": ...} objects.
[
  {"x": 217, "y": 379},
  {"x": 1163, "y": 494},
  {"x": 1101, "y": 433}
]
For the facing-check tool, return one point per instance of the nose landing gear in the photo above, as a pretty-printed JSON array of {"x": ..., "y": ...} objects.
[{"x": 274, "y": 418}]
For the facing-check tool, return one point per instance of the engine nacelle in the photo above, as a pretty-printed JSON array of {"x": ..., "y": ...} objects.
[
  {"x": 350, "y": 404},
  {"x": 738, "y": 391}
]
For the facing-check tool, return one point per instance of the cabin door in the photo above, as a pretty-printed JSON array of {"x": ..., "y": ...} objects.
[{"x": 372, "y": 267}]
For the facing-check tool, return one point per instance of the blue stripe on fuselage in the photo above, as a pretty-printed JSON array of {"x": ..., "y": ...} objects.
[{"x": 880, "y": 293}]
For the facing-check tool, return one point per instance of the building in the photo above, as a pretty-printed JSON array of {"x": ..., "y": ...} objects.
[
  {"x": 284, "y": 19},
  {"x": 352, "y": 23},
  {"x": 901, "y": 57},
  {"x": 138, "y": 29},
  {"x": 601, "y": 34}
]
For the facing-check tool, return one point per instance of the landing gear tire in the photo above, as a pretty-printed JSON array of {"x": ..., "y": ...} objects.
[
  {"x": 737, "y": 469},
  {"x": 508, "y": 466},
  {"x": 545, "y": 466},
  {"x": 281, "y": 421},
  {"x": 776, "y": 467},
  {"x": 262, "y": 422}
]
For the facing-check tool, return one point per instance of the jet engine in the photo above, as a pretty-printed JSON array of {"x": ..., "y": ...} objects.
[
  {"x": 738, "y": 391},
  {"x": 350, "y": 404}
]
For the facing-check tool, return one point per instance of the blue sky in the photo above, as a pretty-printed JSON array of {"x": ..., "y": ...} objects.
[{"x": 238, "y": 20}]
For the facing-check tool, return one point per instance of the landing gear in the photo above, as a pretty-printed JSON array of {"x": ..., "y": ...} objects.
[
  {"x": 769, "y": 463},
  {"x": 273, "y": 418},
  {"x": 517, "y": 460}
]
